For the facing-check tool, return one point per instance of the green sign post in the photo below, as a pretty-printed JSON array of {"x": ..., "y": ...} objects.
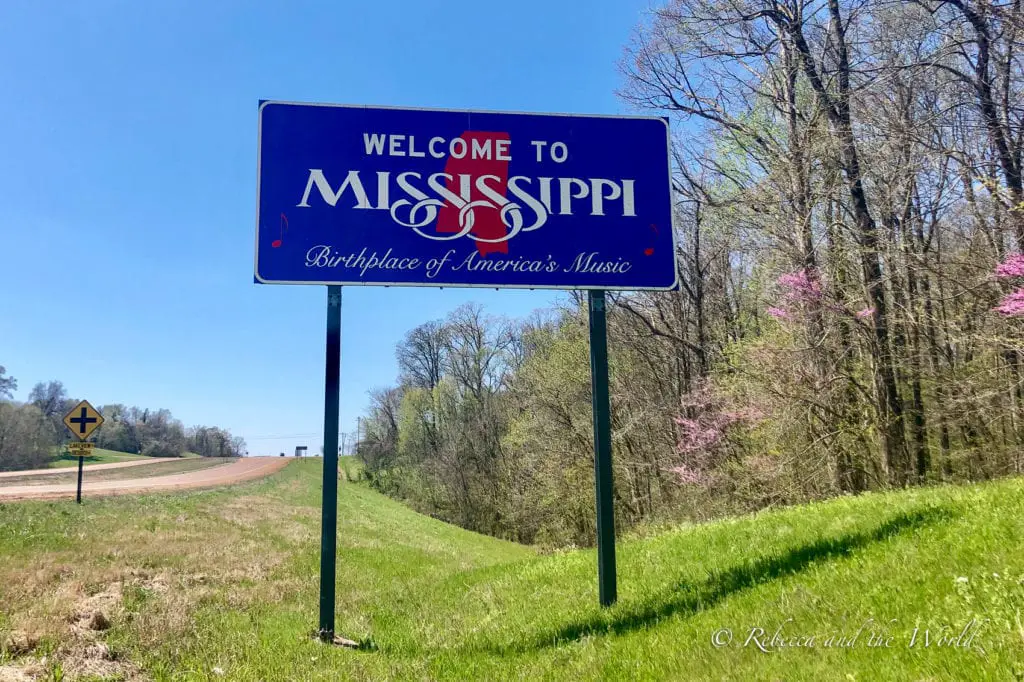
[
  {"x": 601, "y": 405},
  {"x": 329, "y": 511}
]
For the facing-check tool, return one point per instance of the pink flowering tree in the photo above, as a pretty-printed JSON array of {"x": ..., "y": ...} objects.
[
  {"x": 703, "y": 428},
  {"x": 802, "y": 292},
  {"x": 1012, "y": 268},
  {"x": 801, "y": 287}
]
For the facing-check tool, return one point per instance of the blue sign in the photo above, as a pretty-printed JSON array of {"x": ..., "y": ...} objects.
[{"x": 420, "y": 197}]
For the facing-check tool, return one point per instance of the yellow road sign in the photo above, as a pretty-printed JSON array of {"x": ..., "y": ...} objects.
[
  {"x": 80, "y": 448},
  {"x": 83, "y": 419}
]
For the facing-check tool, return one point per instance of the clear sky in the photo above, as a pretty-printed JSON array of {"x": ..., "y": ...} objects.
[{"x": 127, "y": 186}]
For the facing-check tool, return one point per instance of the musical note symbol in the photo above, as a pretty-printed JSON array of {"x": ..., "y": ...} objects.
[
  {"x": 650, "y": 249},
  {"x": 284, "y": 225}
]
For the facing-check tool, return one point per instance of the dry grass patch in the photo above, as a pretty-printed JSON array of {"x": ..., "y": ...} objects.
[
  {"x": 129, "y": 574},
  {"x": 61, "y": 627},
  {"x": 296, "y": 525},
  {"x": 21, "y": 673}
]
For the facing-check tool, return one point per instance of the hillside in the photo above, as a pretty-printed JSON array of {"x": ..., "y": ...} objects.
[
  {"x": 99, "y": 456},
  {"x": 223, "y": 584},
  {"x": 102, "y": 456}
]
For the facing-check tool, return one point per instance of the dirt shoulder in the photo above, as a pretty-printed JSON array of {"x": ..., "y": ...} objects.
[{"x": 245, "y": 469}]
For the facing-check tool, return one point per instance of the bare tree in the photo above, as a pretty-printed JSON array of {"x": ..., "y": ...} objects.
[
  {"x": 421, "y": 356},
  {"x": 49, "y": 397}
]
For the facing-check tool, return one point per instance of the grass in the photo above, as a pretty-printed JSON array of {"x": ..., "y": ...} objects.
[
  {"x": 161, "y": 467},
  {"x": 100, "y": 456},
  {"x": 350, "y": 468},
  {"x": 223, "y": 584}
]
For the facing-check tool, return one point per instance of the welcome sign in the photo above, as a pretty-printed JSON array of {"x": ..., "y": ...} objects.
[{"x": 352, "y": 195}]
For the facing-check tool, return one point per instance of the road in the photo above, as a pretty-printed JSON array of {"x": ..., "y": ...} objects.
[{"x": 244, "y": 469}]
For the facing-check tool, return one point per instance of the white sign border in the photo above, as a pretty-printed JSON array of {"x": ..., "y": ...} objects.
[{"x": 259, "y": 152}]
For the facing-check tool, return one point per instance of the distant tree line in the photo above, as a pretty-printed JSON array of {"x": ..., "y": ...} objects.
[
  {"x": 32, "y": 433},
  {"x": 848, "y": 181},
  {"x": 27, "y": 436}
]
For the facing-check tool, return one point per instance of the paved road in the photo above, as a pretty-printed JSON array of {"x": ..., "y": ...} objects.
[
  {"x": 244, "y": 469},
  {"x": 87, "y": 468}
]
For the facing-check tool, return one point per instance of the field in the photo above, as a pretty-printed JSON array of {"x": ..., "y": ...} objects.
[
  {"x": 223, "y": 585},
  {"x": 100, "y": 456},
  {"x": 160, "y": 467}
]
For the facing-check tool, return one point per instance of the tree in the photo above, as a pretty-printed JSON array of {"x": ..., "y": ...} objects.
[
  {"x": 118, "y": 432},
  {"x": 210, "y": 441},
  {"x": 8, "y": 384},
  {"x": 475, "y": 348},
  {"x": 27, "y": 437},
  {"x": 50, "y": 398},
  {"x": 981, "y": 54},
  {"x": 379, "y": 443},
  {"x": 421, "y": 356}
]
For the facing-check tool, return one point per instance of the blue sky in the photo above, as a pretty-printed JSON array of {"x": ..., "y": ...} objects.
[{"x": 127, "y": 184}]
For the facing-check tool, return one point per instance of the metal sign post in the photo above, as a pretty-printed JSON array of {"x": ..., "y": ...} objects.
[
  {"x": 329, "y": 512},
  {"x": 601, "y": 405},
  {"x": 387, "y": 196},
  {"x": 78, "y": 492}
]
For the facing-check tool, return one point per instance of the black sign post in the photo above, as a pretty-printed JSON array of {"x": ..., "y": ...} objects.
[
  {"x": 329, "y": 512},
  {"x": 78, "y": 495},
  {"x": 602, "y": 449}
]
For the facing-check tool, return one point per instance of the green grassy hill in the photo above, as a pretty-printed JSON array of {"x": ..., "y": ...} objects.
[
  {"x": 101, "y": 456},
  {"x": 223, "y": 585}
]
